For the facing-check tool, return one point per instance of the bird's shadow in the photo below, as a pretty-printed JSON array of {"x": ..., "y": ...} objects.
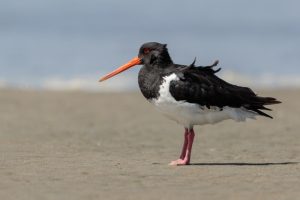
[{"x": 244, "y": 163}]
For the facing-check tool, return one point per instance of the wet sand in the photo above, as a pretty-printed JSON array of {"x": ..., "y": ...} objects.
[{"x": 78, "y": 145}]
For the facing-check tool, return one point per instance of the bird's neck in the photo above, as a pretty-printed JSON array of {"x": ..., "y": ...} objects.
[
  {"x": 151, "y": 75},
  {"x": 149, "y": 81}
]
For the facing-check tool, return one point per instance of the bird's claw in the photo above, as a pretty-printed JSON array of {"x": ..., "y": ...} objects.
[{"x": 179, "y": 162}]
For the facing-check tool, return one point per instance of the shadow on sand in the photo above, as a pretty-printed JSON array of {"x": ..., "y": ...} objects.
[{"x": 245, "y": 164}]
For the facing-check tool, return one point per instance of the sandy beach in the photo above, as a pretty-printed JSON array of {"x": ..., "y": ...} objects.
[{"x": 80, "y": 145}]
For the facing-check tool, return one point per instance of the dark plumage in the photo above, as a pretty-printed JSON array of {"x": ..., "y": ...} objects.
[
  {"x": 197, "y": 84},
  {"x": 200, "y": 85}
]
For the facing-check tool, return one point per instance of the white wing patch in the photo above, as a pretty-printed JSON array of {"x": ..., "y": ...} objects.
[{"x": 189, "y": 114}]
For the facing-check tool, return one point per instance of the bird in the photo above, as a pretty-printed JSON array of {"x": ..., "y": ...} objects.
[{"x": 191, "y": 95}]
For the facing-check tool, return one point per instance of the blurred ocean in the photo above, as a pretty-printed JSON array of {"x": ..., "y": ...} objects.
[{"x": 69, "y": 44}]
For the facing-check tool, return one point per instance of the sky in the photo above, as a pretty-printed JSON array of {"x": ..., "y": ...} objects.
[{"x": 61, "y": 44}]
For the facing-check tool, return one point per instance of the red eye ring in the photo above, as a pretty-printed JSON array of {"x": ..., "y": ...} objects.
[{"x": 146, "y": 50}]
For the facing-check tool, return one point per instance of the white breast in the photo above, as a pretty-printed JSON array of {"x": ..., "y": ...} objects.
[{"x": 189, "y": 114}]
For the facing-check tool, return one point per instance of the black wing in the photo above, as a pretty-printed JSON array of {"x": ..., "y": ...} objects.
[{"x": 200, "y": 85}]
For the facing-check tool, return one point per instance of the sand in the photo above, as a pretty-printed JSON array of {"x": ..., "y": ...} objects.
[{"x": 79, "y": 145}]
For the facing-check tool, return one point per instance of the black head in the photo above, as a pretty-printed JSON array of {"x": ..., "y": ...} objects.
[
  {"x": 150, "y": 54},
  {"x": 154, "y": 53}
]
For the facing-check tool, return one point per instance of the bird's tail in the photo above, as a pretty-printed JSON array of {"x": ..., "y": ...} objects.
[{"x": 258, "y": 103}]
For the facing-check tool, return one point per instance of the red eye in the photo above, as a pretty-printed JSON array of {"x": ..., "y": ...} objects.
[{"x": 146, "y": 50}]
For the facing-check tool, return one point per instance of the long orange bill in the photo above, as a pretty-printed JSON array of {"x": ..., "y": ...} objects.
[{"x": 133, "y": 62}]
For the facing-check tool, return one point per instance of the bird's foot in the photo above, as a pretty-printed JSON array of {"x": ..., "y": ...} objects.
[{"x": 179, "y": 162}]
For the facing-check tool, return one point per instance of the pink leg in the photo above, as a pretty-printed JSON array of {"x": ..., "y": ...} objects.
[
  {"x": 186, "y": 156},
  {"x": 189, "y": 146},
  {"x": 184, "y": 146}
]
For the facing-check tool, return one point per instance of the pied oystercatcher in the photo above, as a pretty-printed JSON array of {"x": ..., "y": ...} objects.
[{"x": 191, "y": 95}]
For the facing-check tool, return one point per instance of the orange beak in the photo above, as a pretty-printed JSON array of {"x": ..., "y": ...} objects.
[{"x": 131, "y": 63}]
